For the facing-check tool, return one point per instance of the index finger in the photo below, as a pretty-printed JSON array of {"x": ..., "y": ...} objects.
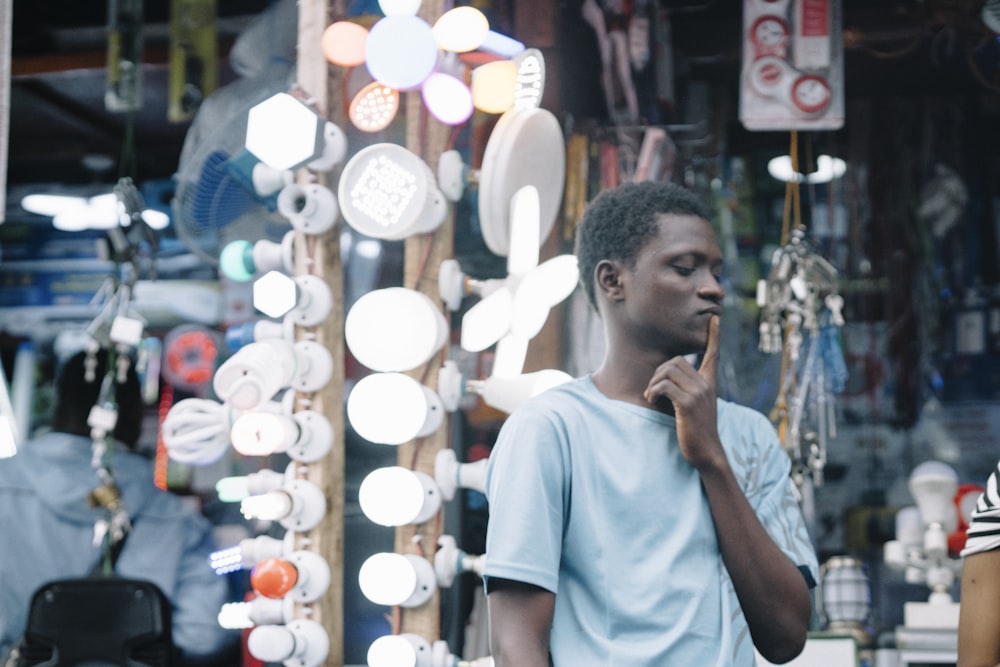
[{"x": 710, "y": 360}]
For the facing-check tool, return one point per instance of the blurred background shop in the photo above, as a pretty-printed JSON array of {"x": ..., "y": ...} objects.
[{"x": 850, "y": 149}]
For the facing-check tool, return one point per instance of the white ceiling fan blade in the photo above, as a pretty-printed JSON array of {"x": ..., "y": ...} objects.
[
  {"x": 511, "y": 352},
  {"x": 525, "y": 231},
  {"x": 487, "y": 321}
]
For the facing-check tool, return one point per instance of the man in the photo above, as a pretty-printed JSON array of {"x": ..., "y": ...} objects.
[
  {"x": 979, "y": 608},
  {"x": 635, "y": 519},
  {"x": 51, "y": 531}
]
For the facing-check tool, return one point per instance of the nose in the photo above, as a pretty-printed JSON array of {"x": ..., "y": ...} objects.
[{"x": 711, "y": 288}]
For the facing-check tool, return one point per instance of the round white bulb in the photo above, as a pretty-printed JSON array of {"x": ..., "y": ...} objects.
[
  {"x": 374, "y": 336},
  {"x": 393, "y": 579},
  {"x": 397, "y": 496},
  {"x": 403, "y": 650},
  {"x": 371, "y": 399}
]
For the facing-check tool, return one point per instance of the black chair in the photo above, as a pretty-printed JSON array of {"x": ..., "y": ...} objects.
[{"x": 98, "y": 622}]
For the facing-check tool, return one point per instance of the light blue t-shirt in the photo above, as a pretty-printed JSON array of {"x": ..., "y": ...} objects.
[{"x": 591, "y": 498}]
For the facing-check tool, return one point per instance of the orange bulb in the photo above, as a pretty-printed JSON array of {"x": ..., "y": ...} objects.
[
  {"x": 343, "y": 43},
  {"x": 274, "y": 577}
]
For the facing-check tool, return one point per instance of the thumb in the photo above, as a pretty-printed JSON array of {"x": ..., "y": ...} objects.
[{"x": 710, "y": 360}]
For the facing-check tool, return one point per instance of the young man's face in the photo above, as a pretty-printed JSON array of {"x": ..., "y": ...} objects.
[{"x": 674, "y": 288}]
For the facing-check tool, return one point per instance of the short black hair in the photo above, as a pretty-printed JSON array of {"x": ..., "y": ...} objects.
[
  {"x": 75, "y": 395},
  {"x": 618, "y": 222}
]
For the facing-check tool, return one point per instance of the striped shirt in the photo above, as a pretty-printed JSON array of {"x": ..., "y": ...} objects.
[{"x": 984, "y": 528}]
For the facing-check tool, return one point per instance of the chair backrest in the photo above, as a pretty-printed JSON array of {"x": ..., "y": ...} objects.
[{"x": 98, "y": 622}]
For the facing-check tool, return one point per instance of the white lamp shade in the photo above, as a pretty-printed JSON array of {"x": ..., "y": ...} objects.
[
  {"x": 447, "y": 98},
  {"x": 401, "y": 51},
  {"x": 394, "y": 329},
  {"x": 933, "y": 485},
  {"x": 387, "y": 192},
  {"x": 415, "y": 410},
  {"x": 402, "y": 650},
  {"x": 393, "y": 579},
  {"x": 493, "y": 86},
  {"x": 397, "y": 496},
  {"x": 461, "y": 29}
]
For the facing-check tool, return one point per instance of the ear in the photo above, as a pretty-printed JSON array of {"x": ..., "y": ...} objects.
[{"x": 608, "y": 275}]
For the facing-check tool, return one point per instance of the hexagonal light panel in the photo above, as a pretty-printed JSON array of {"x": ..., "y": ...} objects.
[
  {"x": 274, "y": 294},
  {"x": 284, "y": 133}
]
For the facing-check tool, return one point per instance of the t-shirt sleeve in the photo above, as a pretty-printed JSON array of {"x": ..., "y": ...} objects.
[
  {"x": 984, "y": 527},
  {"x": 527, "y": 487},
  {"x": 777, "y": 503}
]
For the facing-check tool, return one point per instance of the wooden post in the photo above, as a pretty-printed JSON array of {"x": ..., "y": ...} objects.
[
  {"x": 428, "y": 138},
  {"x": 320, "y": 255}
]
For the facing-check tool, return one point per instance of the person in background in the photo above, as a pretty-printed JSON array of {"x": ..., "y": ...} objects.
[
  {"x": 50, "y": 530},
  {"x": 979, "y": 602},
  {"x": 635, "y": 518}
]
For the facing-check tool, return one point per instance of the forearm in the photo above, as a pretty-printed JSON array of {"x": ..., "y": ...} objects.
[
  {"x": 979, "y": 613},
  {"x": 773, "y": 593},
  {"x": 520, "y": 619}
]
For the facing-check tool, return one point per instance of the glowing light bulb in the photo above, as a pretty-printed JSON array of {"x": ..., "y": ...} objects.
[
  {"x": 374, "y": 337},
  {"x": 236, "y": 261},
  {"x": 263, "y": 433},
  {"x": 403, "y": 650},
  {"x": 447, "y": 98},
  {"x": 396, "y": 496},
  {"x": 343, "y": 43},
  {"x": 461, "y": 29},
  {"x": 493, "y": 86},
  {"x": 268, "y": 506},
  {"x": 274, "y": 577},
  {"x": 392, "y": 579},
  {"x": 416, "y": 410},
  {"x": 374, "y": 107},
  {"x": 401, "y": 51}
]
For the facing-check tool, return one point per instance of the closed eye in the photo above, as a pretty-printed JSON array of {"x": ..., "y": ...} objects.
[{"x": 683, "y": 270}]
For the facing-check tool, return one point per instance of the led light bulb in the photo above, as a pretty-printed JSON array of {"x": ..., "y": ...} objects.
[
  {"x": 374, "y": 107},
  {"x": 299, "y": 505},
  {"x": 461, "y": 29},
  {"x": 196, "y": 431},
  {"x": 417, "y": 411},
  {"x": 387, "y": 192},
  {"x": 301, "y": 642},
  {"x": 447, "y": 98},
  {"x": 393, "y": 579},
  {"x": 403, "y": 650},
  {"x": 374, "y": 337},
  {"x": 396, "y": 496},
  {"x": 235, "y": 489},
  {"x": 283, "y": 133},
  {"x": 263, "y": 433},
  {"x": 240, "y": 260},
  {"x": 401, "y": 51},
  {"x": 273, "y": 577},
  {"x": 493, "y": 86},
  {"x": 343, "y": 43}
]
